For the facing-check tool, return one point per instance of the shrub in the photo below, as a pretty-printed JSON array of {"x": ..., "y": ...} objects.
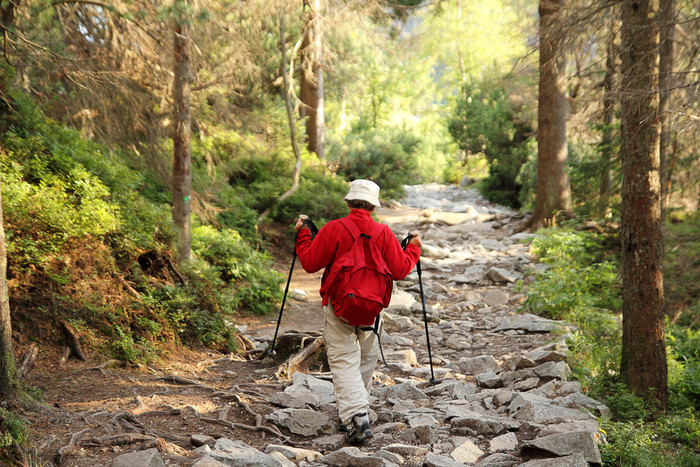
[{"x": 387, "y": 156}]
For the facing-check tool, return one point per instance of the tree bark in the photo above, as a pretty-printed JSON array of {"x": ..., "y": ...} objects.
[
  {"x": 312, "y": 92},
  {"x": 182, "y": 176},
  {"x": 643, "y": 364},
  {"x": 292, "y": 128},
  {"x": 553, "y": 187},
  {"x": 9, "y": 381},
  {"x": 667, "y": 21},
  {"x": 606, "y": 143}
]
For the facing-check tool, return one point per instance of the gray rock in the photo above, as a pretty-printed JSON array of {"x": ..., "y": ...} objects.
[
  {"x": 426, "y": 434},
  {"x": 467, "y": 452},
  {"x": 297, "y": 400},
  {"x": 208, "y": 461},
  {"x": 330, "y": 443},
  {"x": 202, "y": 440},
  {"x": 526, "y": 384},
  {"x": 390, "y": 456},
  {"x": 532, "y": 323},
  {"x": 471, "y": 275},
  {"x": 235, "y": 453},
  {"x": 294, "y": 454},
  {"x": 506, "y": 442},
  {"x": 147, "y": 458},
  {"x": 422, "y": 420},
  {"x": 352, "y": 456},
  {"x": 302, "y": 421},
  {"x": 406, "y": 450},
  {"x": 501, "y": 275},
  {"x": 591, "y": 426},
  {"x": 552, "y": 370},
  {"x": 502, "y": 397},
  {"x": 484, "y": 424},
  {"x": 436, "y": 460},
  {"x": 407, "y": 356},
  {"x": 578, "y": 400},
  {"x": 477, "y": 365},
  {"x": 539, "y": 412},
  {"x": 495, "y": 297},
  {"x": 307, "y": 384},
  {"x": 457, "y": 342},
  {"x": 403, "y": 391},
  {"x": 489, "y": 380},
  {"x": 462, "y": 391},
  {"x": 565, "y": 444},
  {"x": 577, "y": 460},
  {"x": 498, "y": 459}
]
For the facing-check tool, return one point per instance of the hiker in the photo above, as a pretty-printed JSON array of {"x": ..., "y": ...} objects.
[{"x": 352, "y": 350}]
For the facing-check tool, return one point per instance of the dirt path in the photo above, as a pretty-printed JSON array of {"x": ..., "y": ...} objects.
[{"x": 100, "y": 411}]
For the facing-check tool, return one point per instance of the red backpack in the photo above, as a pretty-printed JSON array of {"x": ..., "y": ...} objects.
[{"x": 359, "y": 282}]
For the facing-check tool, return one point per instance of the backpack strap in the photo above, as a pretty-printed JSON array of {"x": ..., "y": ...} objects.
[{"x": 355, "y": 232}]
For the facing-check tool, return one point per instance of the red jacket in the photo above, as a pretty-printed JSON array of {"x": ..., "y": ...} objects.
[{"x": 334, "y": 239}]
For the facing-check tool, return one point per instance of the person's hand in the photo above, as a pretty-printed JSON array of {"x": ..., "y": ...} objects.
[
  {"x": 300, "y": 221},
  {"x": 416, "y": 240}
]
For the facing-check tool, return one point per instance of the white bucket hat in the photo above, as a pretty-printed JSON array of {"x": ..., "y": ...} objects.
[{"x": 365, "y": 190}]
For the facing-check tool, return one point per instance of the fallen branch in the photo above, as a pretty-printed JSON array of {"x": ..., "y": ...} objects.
[
  {"x": 28, "y": 360},
  {"x": 73, "y": 341},
  {"x": 68, "y": 449},
  {"x": 287, "y": 368},
  {"x": 274, "y": 431}
]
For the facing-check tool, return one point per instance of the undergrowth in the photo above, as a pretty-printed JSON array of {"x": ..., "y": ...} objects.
[{"x": 580, "y": 284}]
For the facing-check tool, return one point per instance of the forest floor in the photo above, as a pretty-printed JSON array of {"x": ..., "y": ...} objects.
[{"x": 100, "y": 409}]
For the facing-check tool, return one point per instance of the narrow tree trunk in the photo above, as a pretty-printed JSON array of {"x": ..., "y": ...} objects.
[
  {"x": 606, "y": 143},
  {"x": 292, "y": 128},
  {"x": 182, "y": 177},
  {"x": 553, "y": 188},
  {"x": 9, "y": 382},
  {"x": 312, "y": 92},
  {"x": 667, "y": 20},
  {"x": 643, "y": 365}
]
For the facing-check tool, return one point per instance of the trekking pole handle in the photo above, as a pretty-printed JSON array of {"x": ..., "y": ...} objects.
[{"x": 407, "y": 240}]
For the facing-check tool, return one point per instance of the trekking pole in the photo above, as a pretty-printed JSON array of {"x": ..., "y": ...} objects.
[
  {"x": 312, "y": 227},
  {"x": 404, "y": 244}
]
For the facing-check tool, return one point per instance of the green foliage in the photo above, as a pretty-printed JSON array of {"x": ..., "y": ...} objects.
[
  {"x": 227, "y": 275},
  {"x": 484, "y": 122},
  {"x": 320, "y": 196},
  {"x": 581, "y": 286},
  {"x": 14, "y": 433},
  {"x": 684, "y": 368},
  {"x": 639, "y": 444},
  {"x": 575, "y": 284},
  {"x": 681, "y": 270},
  {"x": 385, "y": 156},
  {"x": 237, "y": 263}
]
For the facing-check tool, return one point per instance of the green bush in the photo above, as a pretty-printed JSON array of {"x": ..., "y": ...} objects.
[
  {"x": 388, "y": 157},
  {"x": 485, "y": 123}
]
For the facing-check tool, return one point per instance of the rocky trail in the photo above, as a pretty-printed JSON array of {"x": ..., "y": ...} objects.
[{"x": 502, "y": 396}]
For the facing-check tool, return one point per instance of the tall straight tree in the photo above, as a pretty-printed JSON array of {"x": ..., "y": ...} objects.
[
  {"x": 9, "y": 385},
  {"x": 182, "y": 129},
  {"x": 9, "y": 381},
  {"x": 667, "y": 24},
  {"x": 643, "y": 365},
  {"x": 553, "y": 187},
  {"x": 606, "y": 143},
  {"x": 312, "y": 92}
]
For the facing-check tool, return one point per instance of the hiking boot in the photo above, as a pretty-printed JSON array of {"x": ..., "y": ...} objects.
[
  {"x": 360, "y": 430},
  {"x": 343, "y": 428}
]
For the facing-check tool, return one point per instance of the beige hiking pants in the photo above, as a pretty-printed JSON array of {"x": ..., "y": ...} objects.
[{"x": 352, "y": 355}]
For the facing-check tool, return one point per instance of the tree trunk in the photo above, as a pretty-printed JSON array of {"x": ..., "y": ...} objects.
[
  {"x": 606, "y": 143},
  {"x": 643, "y": 365},
  {"x": 312, "y": 92},
  {"x": 9, "y": 382},
  {"x": 182, "y": 177},
  {"x": 667, "y": 21},
  {"x": 553, "y": 188}
]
